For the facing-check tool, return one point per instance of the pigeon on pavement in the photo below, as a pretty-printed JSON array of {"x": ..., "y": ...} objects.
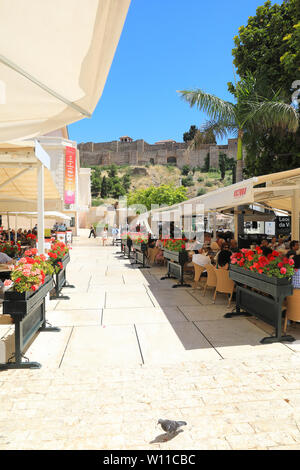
[{"x": 170, "y": 426}]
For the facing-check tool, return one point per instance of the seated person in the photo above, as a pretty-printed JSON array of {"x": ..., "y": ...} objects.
[
  {"x": 193, "y": 245},
  {"x": 151, "y": 242},
  {"x": 264, "y": 242},
  {"x": 201, "y": 258},
  {"x": 294, "y": 247},
  {"x": 160, "y": 255},
  {"x": 234, "y": 246},
  {"x": 223, "y": 261},
  {"x": 296, "y": 276},
  {"x": 281, "y": 245},
  {"x": 273, "y": 243},
  {"x": 267, "y": 250}
]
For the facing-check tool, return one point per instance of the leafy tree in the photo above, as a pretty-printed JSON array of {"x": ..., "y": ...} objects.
[
  {"x": 126, "y": 182},
  {"x": 225, "y": 163},
  {"x": 269, "y": 46},
  {"x": 188, "y": 136},
  {"x": 206, "y": 163},
  {"x": 250, "y": 112},
  {"x": 203, "y": 136},
  {"x": 162, "y": 195},
  {"x": 117, "y": 190},
  {"x": 112, "y": 170},
  {"x": 104, "y": 188},
  {"x": 95, "y": 181}
]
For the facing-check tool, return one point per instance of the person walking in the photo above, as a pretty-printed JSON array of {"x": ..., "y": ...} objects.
[
  {"x": 104, "y": 236},
  {"x": 92, "y": 232}
]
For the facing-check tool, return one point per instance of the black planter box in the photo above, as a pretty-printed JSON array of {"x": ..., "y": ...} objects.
[
  {"x": 19, "y": 304},
  {"x": 60, "y": 277},
  {"x": 180, "y": 257},
  {"x": 29, "y": 316},
  {"x": 265, "y": 302},
  {"x": 140, "y": 247},
  {"x": 270, "y": 285},
  {"x": 176, "y": 262}
]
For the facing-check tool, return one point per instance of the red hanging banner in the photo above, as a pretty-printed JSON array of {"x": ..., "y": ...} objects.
[{"x": 70, "y": 170}]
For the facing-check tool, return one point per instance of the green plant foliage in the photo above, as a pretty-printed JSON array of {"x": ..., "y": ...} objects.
[
  {"x": 96, "y": 180},
  {"x": 201, "y": 191},
  {"x": 188, "y": 136},
  {"x": 185, "y": 170},
  {"x": 269, "y": 47},
  {"x": 187, "y": 181},
  {"x": 164, "y": 194},
  {"x": 206, "y": 163}
]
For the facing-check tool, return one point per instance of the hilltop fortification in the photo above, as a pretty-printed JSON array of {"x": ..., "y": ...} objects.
[{"x": 128, "y": 152}]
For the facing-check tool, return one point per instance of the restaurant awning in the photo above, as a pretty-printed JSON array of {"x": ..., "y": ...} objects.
[
  {"x": 18, "y": 180},
  {"x": 26, "y": 183},
  {"x": 48, "y": 214},
  {"x": 275, "y": 191},
  {"x": 54, "y": 61}
]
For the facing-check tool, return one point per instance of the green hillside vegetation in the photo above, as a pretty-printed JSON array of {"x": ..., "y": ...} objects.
[{"x": 110, "y": 182}]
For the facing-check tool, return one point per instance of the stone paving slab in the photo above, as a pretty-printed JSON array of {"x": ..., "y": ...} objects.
[
  {"x": 239, "y": 336},
  {"x": 106, "y": 346},
  {"x": 165, "y": 343},
  {"x": 82, "y": 301},
  {"x": 124, "y": 300},
  {"x": 138, "y": 315},
  {"x": 75, "y": 317}
]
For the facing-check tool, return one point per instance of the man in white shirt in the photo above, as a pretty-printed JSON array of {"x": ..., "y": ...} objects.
[{"x": 201, "y": 258}]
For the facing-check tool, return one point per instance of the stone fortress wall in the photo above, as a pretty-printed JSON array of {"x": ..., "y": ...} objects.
[{"x": 135, "y": 153}]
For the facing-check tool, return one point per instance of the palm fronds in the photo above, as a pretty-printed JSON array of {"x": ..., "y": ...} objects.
[{"x": 215, "y": 107}]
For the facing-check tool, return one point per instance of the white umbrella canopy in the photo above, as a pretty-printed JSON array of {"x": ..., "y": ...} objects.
[{"x": 54, "y": 60}]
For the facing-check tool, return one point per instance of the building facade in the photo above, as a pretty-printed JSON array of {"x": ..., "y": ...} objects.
[{"x": 128, "y": 152}]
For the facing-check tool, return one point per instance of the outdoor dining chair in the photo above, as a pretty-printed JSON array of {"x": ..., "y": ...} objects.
[
  {"x": 211, "y": 280},
  {"x": 225, "y": 285},
  {"x": 292, "y": 308},
  {"x": 198, "y": 271},
  {"x": 152, "y": 252}
]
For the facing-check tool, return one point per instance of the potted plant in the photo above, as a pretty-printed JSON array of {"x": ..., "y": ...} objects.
[
  {"x": 262, "y": 282},
  {"x": 59, "y": 257},
  {"x": 140, "y": 243},
  {"x": 24, "y": 301},
  {"x": 30, "y": 277},
  {"x": 174, "y": 250}
]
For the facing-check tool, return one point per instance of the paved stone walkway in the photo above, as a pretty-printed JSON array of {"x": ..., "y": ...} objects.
[{"x": 132, "y": 350}]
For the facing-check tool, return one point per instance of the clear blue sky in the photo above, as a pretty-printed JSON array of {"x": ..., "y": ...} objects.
[{"x": 166, "y": 45}]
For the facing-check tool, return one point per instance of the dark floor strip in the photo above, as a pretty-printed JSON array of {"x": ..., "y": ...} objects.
[
  {"x": 207, "y": 340},
  {"x": 66, "y": 347},
  {"x": 182, "y": 313},
  {"x": 137, "y": 337}
]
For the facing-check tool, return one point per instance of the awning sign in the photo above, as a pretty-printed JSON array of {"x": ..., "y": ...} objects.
[
  {"x": 70, "y": 170},
  {"x": 239, "y": 192}
]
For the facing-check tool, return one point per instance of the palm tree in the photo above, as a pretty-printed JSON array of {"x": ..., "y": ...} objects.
[{"x": 251, "y": 113}]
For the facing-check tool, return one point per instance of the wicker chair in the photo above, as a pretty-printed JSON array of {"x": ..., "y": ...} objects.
[
  {"x": 152, "y": 252},
  {"x": 211, "y": 280},
  {"x": 198, "y": 271},
  {"x": 224, "y": 285},
  {"x": 292, "y": 308}
]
